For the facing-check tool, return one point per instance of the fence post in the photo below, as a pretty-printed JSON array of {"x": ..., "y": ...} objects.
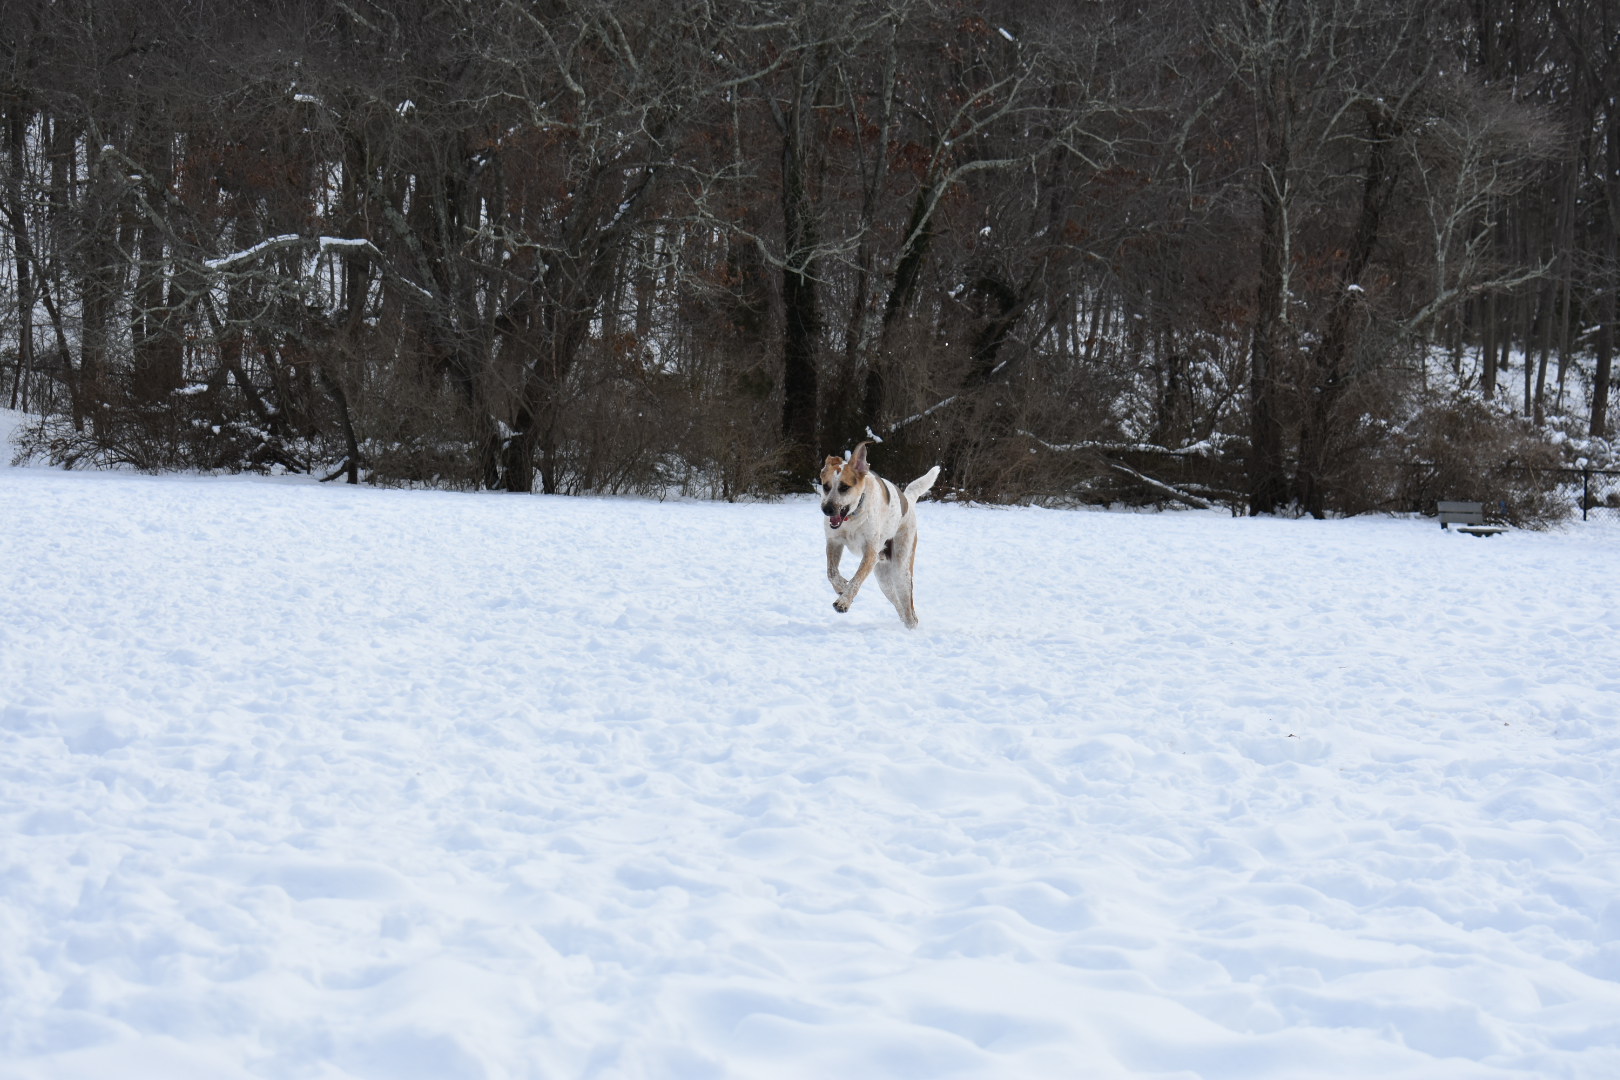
[{"x": 1586, "y": 490}]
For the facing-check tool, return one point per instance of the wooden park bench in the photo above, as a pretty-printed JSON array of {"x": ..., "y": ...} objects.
[{"x": 1469, "y": 517}]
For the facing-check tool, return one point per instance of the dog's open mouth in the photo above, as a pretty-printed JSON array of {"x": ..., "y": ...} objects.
[{"x": 837, "y": 520}]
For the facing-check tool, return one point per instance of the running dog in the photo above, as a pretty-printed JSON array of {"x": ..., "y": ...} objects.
[{"x": 875, "y": 519}]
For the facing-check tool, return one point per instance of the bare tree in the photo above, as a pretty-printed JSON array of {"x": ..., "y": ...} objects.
[{"x": 1073, "y": 251}]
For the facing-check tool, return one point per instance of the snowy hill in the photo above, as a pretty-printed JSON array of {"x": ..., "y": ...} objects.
[{"x": 305, "y": 781}]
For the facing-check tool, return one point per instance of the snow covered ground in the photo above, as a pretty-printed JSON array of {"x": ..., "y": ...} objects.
[{"x": 311, "y": 781}]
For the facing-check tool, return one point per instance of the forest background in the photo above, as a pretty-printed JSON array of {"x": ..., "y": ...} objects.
[{"x": 1305, "y": 256}]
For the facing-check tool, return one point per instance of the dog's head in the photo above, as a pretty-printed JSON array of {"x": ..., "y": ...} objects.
[{"x": 841, "y": 484}]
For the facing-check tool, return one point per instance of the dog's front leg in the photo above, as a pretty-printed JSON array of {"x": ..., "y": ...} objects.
[
  {"x": 846, "y": 596},
  {"x": 835, "y": 552}
]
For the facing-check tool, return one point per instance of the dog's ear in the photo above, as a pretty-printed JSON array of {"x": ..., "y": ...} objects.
[
  {"x": 833, "y": 462},
  {"x": 857, "y": 460}
]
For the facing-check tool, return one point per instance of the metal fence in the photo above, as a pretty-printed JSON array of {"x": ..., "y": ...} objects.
[
  {"x": 1595, "y": 491},
  {"x": 1534, "y": 493}
]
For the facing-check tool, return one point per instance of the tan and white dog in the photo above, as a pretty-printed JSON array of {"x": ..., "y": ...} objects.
[{"x": 878, "y": 522}]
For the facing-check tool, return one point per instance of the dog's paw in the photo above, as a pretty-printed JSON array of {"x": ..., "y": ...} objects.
[{"x": 841, "y": 605}]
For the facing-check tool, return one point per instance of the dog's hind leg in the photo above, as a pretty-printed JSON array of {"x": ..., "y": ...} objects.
[
  {"x": 896, "y": 585},
  {"x": 887, "y": 574},
  {"x": 895, "y": 577}
]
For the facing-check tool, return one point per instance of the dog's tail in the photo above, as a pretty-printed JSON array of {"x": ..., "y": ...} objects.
[{"x": 919, "y": 487}]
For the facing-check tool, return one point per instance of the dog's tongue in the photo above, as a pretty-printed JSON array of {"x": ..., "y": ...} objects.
[{"x": 838, "y": 519}]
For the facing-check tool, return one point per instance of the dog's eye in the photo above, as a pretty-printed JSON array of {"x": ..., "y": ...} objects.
[{"x": 842, "y": 488}]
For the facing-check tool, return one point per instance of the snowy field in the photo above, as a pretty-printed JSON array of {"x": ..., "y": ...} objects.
[{"x": 304, "y": 781}]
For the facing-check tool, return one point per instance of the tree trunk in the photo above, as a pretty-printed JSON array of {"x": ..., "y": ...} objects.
[
  {"x": 1487, "y": 348},
  {"x": 351, "y": 444},
  {"x": 801, "y": 326},
  {"x": 907, "y": 274},
  {"x": 16, "y": 215},
  {"x": 1609, "y": 306},
  {"x": 1268, "y": 484},
  {"x": 1527, "y": 324},
  {"x": 1332, "y": 356},
  {"x": 96, "y": 257},
  {"x": 1543, "y": 347},
  {"x": 1601, "y": 380}
]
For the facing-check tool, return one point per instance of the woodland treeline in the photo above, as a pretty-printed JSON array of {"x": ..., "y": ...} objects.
[{"x": 1283, "y": 255}]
